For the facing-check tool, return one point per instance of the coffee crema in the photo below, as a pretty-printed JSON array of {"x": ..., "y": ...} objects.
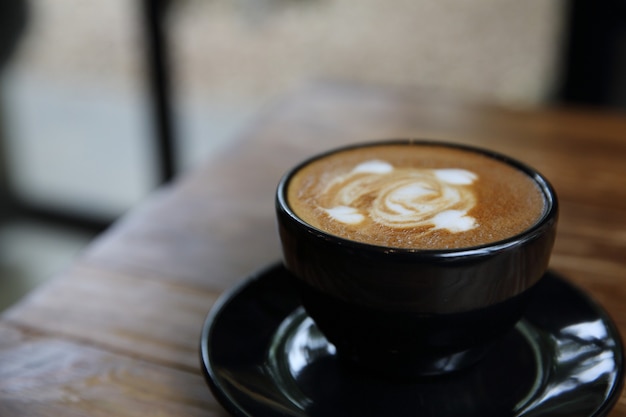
[{"x": 418, "y": 196}]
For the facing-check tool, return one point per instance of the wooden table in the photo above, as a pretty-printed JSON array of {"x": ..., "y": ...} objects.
[{"x": 117, "y": 332}]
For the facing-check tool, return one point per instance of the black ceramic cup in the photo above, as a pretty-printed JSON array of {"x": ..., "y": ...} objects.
[{"x": 410, "y": 312}]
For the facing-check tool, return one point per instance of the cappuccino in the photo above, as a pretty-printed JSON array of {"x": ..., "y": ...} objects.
[{"x": 415, "y": 196}]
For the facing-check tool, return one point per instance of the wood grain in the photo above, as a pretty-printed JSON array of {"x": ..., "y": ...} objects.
[
  {"x": 43, "y": 375},
  {"x": 117, "y": 332},
  {"x": 157, "y": 321}
]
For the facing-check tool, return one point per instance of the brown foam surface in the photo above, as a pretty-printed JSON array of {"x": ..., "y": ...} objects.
[{"x": 507, "y": 201}]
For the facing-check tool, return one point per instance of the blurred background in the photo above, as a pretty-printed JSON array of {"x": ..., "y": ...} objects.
[{"x": 103, "y": 101}]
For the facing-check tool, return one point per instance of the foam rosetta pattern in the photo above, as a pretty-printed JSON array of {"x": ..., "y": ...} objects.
[{"x": 403, "y": 197}]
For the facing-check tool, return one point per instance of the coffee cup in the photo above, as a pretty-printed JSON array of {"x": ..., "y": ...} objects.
[{"x": 414, "y": 257}]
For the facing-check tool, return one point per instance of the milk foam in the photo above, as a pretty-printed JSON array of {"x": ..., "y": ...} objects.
[{"x": 403, "y": 197}]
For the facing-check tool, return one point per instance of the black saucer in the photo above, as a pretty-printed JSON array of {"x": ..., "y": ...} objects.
[{"x": 263, "y": 356}]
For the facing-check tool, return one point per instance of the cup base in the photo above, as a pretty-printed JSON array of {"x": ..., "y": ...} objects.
[{"x": 407, "y": 344}]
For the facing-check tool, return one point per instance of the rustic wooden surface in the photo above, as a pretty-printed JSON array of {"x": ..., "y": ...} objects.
[{"x": 117, "y": 333}]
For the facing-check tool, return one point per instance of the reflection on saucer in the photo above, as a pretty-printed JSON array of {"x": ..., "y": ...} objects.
[{"x": 263, "y": 356}]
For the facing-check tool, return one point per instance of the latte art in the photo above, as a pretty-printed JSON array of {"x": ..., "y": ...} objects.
[
  {"x": 418, "y": 196},
  {"x": 403, "y": 197}
]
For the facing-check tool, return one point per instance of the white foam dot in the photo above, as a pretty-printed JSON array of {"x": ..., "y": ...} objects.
[
  {"x": 345, "y": 214},
  {"x": 373, "y": 167},
  {"x": 456, "y": 176},
  {"x": 454, "y": 221}
]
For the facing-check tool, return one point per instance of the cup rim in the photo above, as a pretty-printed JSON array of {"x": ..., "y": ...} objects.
[{"x": 545, "y": 221}]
